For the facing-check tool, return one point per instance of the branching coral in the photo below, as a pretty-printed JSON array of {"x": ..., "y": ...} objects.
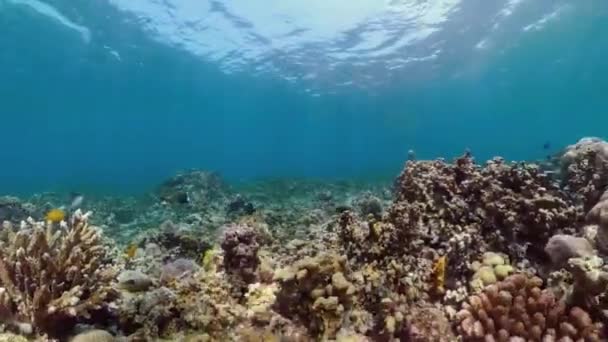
[
  {"x": 518, "y": 308},
  {"x": 51, "y": 278}
]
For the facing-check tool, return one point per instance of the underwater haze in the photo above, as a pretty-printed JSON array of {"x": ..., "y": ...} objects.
[{"x": 117, "y": 95}]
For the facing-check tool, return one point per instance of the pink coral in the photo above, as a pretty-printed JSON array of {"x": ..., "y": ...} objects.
[{"x": 518, "y": 308}]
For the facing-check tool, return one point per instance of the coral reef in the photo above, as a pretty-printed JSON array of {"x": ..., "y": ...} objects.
[
  {"x": 515, "y": 207},
  {"x": 146, "y": 315},
  {"x": 52, "y": 277},
  {"x": 95, "y": 335},
  {"x": 196, "y": 188},
  {"x": 207, "y": 303},
  {"x": 585, "y": 170},
  {"x": 179, "y": 240},
  {"x": 428, "y": 323},
  {"x": 239, "y": 206},
  {"x": 315, "y": 261},
  {"x": 562, "y": 247},
  {"x": 368, "y": 204},
  {"x": 134, "y": 281},
  {"x": 493, "y": 267},
  {"x": 240, "y": 246},
  {"x": 11, "y": 209},
  {"x": 518, "y": 307},
  {"x": 176, "y": 269},
  {"x": 316, "y": 293}
]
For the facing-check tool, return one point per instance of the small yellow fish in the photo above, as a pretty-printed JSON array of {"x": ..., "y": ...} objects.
[
  {"x": 439, "y": 274},
  {"x": 208, "y": 259},
  {"x": 131, "y": 250},
  {"x": 55, "y": 215}
]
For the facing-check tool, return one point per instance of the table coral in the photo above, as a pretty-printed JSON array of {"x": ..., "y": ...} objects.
[
  {"x": 51, "y": 277},
  {"x": 518, "y": 308}
]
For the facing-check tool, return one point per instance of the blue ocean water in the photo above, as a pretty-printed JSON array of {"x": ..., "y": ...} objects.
[{"x": 119, "y": 94}]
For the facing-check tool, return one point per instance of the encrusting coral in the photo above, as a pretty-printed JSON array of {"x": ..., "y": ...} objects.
[
  {"x": 53, "y": 276},
  {"x": 518, "y": 308}
]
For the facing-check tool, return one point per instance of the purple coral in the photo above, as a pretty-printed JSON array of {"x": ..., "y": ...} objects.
[{"x": 240, "y": 246}]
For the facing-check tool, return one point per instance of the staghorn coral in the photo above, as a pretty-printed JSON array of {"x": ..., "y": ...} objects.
[
  {"x": 240, "y": 246},
  {"x": 518, "y": 308},
  {"x": 316, "y": 293},
  {"x": 51, "y": 278}
]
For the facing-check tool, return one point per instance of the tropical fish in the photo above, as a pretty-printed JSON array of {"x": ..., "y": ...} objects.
[
  {"x": 130, "y": 251},
  {"x": 77, "y": 200},
  {"x": 439, "y": 274},
  {"x": 55, "y": 215}
]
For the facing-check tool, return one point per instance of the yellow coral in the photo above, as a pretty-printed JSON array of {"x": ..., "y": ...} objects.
[
  {"x": 55, "y": 215},
  {"x": 439, "y": 274}
]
